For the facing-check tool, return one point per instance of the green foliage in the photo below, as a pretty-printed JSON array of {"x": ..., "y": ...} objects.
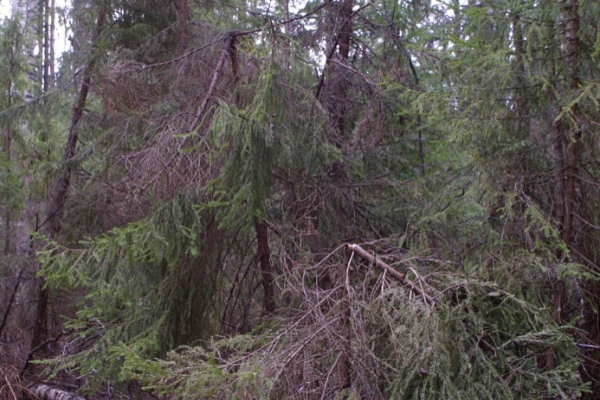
[
  {"x": 478, "y": 341},
  {"x": 151, "y": 284},
  {"x": 485, "y": 343},
  {"x": 283, "y": 131},
  {"x": 447, "y": 162},
  {"x": 11, "y": 190}
]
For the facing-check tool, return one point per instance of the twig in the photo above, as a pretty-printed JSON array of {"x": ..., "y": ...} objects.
[
  {"x": 329, "y": 375},
  {"x": 41, "y": 346}
]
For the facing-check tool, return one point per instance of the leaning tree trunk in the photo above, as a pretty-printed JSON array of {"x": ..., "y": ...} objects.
[{"x": 58, "y": 195}]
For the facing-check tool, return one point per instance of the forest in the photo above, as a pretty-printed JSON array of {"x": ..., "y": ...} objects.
[{"x": 300, "y": 199}]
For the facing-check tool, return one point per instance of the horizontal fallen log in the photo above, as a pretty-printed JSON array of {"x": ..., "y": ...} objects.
[
  {"x": 390, "y": 270},
  {"x": 46, "y": 392}
]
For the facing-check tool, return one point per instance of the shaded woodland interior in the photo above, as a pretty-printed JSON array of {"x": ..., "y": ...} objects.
[{"x": 321, "y": 199}]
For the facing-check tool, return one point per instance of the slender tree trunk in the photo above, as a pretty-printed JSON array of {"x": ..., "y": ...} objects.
[
  {"x": 52, "y": 38},
  {"x": 8, "y": 149},
  {"x": 342, "y": 281},
  {"x": 58, "y": 193},
  {"x": 574, "y": 147},
  {"x": 566, "y": 149},
  {"x": 10, "y": 302},
  {"x": 339, "y": 90},
  {"x": 264, "y": 256},
  {"x": 46, "y": 46},
  {"x": 334, "y": 97},
  {"x": 183, "y": 16},
  {"x": 573, "y": 138},
  {"x": 8, "y": 138}
]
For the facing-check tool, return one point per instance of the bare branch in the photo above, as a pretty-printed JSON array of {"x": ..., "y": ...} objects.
[{"x": 393, "y": 272}]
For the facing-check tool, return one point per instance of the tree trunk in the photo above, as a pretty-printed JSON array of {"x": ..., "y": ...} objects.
[
  {"x": 183, "y": 17},
  {"x": 58, "y": 193},
  {"x": 46, "y": 46},
  {"x": 337, "y": 85},
  {"x": 566, "y": 149},
  {"x": 264, "y": 256},
  {"x": 52, "y": 37},
  {"x": 8, "y": 149}
]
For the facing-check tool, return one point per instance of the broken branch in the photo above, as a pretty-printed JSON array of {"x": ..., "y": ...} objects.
[{"x": 392, "y": 271}]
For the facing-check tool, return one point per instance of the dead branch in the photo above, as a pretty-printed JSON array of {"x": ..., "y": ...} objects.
[
  {"x": 42, "y": 345},
  {"x": 10, "y": 302},
  {"x": 229, "y": 50},
  {"x": 393, "y": 272}
]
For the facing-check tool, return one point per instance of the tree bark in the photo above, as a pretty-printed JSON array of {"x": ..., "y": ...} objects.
[
  {"x": 566, "y": 149},
  {"x": 573, "y": 135},
  {"x": 8, "y": 149}
]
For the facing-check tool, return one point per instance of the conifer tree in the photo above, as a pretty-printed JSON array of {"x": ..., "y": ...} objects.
[{"x": 359, "y": 199}]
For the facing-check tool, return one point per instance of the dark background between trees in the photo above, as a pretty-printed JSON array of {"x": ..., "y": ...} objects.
[{"x": 302, "y": 200}]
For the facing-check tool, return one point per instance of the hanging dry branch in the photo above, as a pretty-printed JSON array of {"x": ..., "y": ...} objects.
[
  {"x": 229, "y": 50},
  {"x": 10, "y": 301}
]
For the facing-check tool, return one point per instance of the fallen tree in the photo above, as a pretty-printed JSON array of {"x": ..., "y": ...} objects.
[{"x": 47, "y": 392}]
